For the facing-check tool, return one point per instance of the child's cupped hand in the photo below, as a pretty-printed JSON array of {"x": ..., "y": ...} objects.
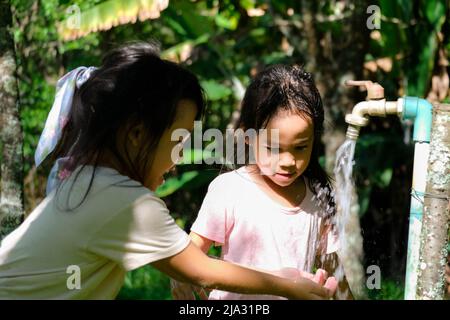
[{"x": 320, "y": 277}]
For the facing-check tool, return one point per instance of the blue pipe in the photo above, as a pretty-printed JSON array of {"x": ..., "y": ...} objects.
[{"x": 421, "y": 111}]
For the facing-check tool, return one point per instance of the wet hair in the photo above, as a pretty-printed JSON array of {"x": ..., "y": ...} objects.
[
  {"x": 133, "y": 85},
  {"x": 289, "y": 88}
]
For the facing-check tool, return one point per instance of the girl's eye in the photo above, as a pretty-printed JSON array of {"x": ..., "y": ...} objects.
[{"x": 300, "y": 148}]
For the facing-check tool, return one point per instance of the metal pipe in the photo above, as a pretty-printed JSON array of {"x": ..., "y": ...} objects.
[{"x": 379, "y": 108}]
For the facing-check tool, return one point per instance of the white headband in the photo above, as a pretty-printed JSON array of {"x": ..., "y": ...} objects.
[{"x": 58, "y": 116}]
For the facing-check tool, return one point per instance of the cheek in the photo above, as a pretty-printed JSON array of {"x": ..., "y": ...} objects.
[
  {"x": 161, "y": 160},
  {"x": 303, "y": 160},
  {"x": 267, "y": 162}
]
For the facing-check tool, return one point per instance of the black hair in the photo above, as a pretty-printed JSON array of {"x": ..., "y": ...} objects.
[
  {"x": 289, "y": 88},
  {"x": 133, "y": 85}
]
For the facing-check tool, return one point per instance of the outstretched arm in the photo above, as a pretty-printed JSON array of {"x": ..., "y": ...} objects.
[{"x": 193, "y": 266}]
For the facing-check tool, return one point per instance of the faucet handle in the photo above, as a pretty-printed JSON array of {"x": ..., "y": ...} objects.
[{"x": 374, "y": 90}]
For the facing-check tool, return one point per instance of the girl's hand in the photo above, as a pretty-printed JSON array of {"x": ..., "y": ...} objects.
[
  {"x": 321, "y": 277},
  {"x": 306, "y": 289},
  {"x": 185, "y": 291},
  {"x": 308, "y": 286}
]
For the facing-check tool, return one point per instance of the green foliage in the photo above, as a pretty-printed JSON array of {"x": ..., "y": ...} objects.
[
  {"x": 145, "y": 283},
  {"x": 410, "y": 37},
  {"x": 374, "y": 166},
  {"x": 215, "y": 91},
  {"x": 188, "y": 181},
  {"x": 389, "y": 290},
  {"x": 225, "y": 45},
  {"x": 176, "y": 183}
]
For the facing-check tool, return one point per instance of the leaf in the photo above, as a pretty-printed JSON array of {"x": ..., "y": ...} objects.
[
  {"x": 384, "y": 178},
  {"x": 175, "y": 183},
  {"x": 189, "y": 180},
  {"x": 229, "y": 23},
  {"x": 108, "y": 14},
  {"x": 434, "y": 11},
  {"x": 216, "y": 90},
  {"x": 364, "y": 199},
  {"x": 399, "y": 9},
  {"x": 420, "y": 69},
  {"x": 187, "y": 16},
  {"x": 424, "y": 47}
]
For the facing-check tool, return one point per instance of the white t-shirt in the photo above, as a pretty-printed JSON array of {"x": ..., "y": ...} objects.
[
  {"x": 120, "y": 226},
  {"x": 258, "y": 232}
]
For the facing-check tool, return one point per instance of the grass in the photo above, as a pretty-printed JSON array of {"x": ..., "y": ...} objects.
[{"x": 389, "y": 290}]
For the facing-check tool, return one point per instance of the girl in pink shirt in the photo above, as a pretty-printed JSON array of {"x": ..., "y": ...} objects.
[{"x": 275, "y": 213}]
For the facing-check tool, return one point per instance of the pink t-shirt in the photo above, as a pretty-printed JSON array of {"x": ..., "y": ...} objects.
[{"x": 257, "y": 232}]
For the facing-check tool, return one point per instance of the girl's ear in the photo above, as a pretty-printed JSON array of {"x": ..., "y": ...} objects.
[{"x": 136, "y": 134}]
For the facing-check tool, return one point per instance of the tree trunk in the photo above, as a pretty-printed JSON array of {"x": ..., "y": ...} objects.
[
  {"x": 435, "y": 225},
  {"x": 11, "y": 140}
]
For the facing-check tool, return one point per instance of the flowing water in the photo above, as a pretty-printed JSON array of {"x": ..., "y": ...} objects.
[{"x": 347, "y": 222}]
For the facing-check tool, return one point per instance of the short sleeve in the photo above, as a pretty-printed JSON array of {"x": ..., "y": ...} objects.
[
  {"x": 139, "y": 234},
  {"x": 329, "y": 240},
  {"x": 215, "y": 218}
]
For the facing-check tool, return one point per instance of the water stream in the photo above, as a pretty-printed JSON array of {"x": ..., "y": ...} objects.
[{"x": 347, "y": 222}]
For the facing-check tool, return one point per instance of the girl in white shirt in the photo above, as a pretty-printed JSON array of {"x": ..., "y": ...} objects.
[{"x": 109, "y": 134}]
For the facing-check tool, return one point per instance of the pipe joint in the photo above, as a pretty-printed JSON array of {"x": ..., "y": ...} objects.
[{"x": 419, "y": 110}]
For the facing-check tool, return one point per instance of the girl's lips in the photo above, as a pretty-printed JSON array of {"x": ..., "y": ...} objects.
[{"x": 284, "y": 176}]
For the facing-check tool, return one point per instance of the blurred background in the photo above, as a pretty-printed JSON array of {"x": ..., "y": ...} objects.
[{"x": 401, "y": 44}]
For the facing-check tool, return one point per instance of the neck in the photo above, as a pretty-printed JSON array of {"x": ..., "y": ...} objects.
[
  {"x": 107, "y": 158},
  {"x": 294, "y": 193}
]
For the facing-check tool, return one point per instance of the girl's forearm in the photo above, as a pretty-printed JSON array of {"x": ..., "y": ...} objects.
[
  {"x": 193, "y": 266},
  {"x": 237, "y": 275},
  {"x": 204, "y": 244},
  {"x": 234, "y": 278}
]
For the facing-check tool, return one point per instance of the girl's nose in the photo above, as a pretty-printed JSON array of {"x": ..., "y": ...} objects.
[{"x": 286, "y": 160}]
